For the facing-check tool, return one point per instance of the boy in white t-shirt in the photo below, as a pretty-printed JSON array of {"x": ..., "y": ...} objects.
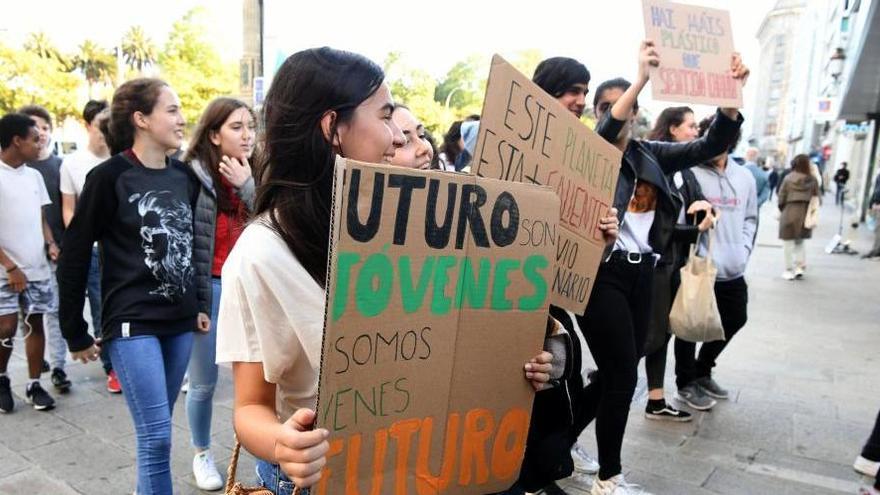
[
  {"x": 74, "y": 170},
  {"x": 26, "y": 278}
]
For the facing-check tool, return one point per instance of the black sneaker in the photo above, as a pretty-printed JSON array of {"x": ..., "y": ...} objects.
[
  {"x": 712, "y": 388},
  {"x": 45, "y": 368},
  {"x": 6, "y": 402},
  {"x": 668, "y": 413},
  {"x": 60, "y": 381},
  {"x": 694, "y": 396},
  {"x": 40, "y": 399}
]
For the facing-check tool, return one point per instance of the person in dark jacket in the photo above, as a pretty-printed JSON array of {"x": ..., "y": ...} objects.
[
  {"x": 798, "y": 189},
  {"x": 619, "y": 308},
  {"x": 138, "y": 205},
  {"x": 218, "y": 155},
  {"x": 841, "y": 177},
  {"x": 674, "y": 124}
]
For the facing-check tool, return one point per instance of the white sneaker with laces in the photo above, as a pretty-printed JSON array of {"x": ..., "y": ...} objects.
[
  {"x": 205, "y": 472},
  {"x": 788, "y": 275},
  {"x": 616, "y": 485},
  {"x": 583, "y": 461}
]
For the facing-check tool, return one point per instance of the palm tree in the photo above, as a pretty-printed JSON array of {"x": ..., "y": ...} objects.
[
  {"x": 96, "y": 64},
  {"x": 39, "y": 43},
  {"x": 138, "y": 49}
]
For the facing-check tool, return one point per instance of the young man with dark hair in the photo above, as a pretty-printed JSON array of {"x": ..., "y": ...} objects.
[
  {"x": 48, "y": 165},
  {"x": 731, "y": 189},
  {"x": 74, "y": 170},
  {"x": 26, "y": 280}
]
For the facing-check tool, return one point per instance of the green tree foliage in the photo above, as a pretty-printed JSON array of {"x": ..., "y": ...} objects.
[
  {"x": 27, "y": 78},
  {"x": 40, "y": 44},
  {"x": 138, "y": 49},
  {"x": 415, "y": 88},
  {"x": 193, "y": 67},
  {"x": 464, "y": 86},
  {"x": 97, "y": 64}
]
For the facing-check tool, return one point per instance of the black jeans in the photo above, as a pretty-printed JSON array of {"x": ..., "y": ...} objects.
[
  {"x": 614, "y": 327},
  {"x": 666, "y": 278},
  {"x": 733, "y": 299}
]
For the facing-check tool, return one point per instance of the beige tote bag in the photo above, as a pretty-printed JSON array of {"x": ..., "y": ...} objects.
[{"x": 694, "y": 316}]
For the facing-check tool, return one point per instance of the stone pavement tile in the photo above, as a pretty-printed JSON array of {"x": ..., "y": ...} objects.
[
  {"x": 668, "y": 463},
  {"x": 10, "y": 462},
  {"x": 117, "y": 482},
  {"x": 757, "y": 398},
  {"x": 769, "y": 429},
  {"x": 106, "y": 418},
  {"x": 664, "y": 485},
  {"x": 734, "y": 482},
  {"x": 26, "y": 428},
  {"x": 827, "y": 439},
  {"x": 34, "y": 481},
  {"x": 816, "y": 467},
  {"x": 720, "y": 453},
  {"x": 81, "y": 458}
]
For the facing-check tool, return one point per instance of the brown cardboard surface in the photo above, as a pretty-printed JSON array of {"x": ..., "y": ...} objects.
[
  {"x": 422, "y": 384},
  {"x": 528, "y": 136},
  {"x": 695, "y": 44}
]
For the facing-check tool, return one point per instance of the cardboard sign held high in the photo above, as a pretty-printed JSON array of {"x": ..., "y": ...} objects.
[
  {"x": 438, "y": 295},
  {"x": 695, "y": 46},
  {"x": 528, "y": 136}
]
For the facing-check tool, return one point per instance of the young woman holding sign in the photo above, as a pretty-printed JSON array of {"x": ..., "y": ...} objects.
[
  {"x": 322, "y": 103},
  {"x": 619, "y": 309}
]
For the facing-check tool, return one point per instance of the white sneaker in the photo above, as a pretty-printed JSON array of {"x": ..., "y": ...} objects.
[
  {"x": 184, "y": 387},
  {"x": 581, "y": 481},
  {"x": 798, "y": 273},
  {"x": 583, "y": 461},
  {"x": 788, "y": 275},
  {"x": 205, "y": 472},
  {"x": 866, "y": 466},
  {"x": 616, "y": 486}
]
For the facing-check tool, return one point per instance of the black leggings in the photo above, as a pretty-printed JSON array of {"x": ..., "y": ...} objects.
[
  {"x": 733, "y": 299},
  {"x": 614, "y": 328},
  {"x": 667, "y": 279},
  {"x": 872, "y": 447}
]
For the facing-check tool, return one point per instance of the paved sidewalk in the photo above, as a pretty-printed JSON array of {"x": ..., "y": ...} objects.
[{"x": 804, "y": 375}]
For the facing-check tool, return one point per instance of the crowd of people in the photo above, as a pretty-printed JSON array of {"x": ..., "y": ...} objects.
[{"x": 220, "y": 256}]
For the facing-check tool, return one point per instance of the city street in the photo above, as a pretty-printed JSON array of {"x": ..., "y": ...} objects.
[{"x": 803, "y": 376}]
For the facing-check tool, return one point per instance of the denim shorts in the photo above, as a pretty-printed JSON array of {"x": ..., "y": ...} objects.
[
  {"x": 38, "y": 297},
  {"x": 270, "y": 476}
]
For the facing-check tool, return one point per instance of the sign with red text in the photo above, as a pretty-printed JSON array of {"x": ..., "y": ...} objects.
[
  {"x": 437, "y": 296},
  {"x": 528, "y": 136},
  {"x": 695, "y": 46}
]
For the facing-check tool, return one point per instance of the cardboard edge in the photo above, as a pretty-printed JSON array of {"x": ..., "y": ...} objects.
[{"x": 339, "y": 170}]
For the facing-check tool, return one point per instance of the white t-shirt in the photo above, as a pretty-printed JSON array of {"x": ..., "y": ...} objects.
[
  {"x": 634, "y": 232},
  {"x": 272, "y": 312},
  {"x": 22, "y": 197},
  {"x": 74, "y": 169}
]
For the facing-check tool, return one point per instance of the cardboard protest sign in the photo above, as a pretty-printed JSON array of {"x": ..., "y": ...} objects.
[
  {"x": 695, "y": 45},
  {"x": 437, "y": 296},
  {"x": 528, "y": 136}
]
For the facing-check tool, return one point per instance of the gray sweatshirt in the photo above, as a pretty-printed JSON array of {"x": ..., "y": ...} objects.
[{"x": 732, "y": 192}]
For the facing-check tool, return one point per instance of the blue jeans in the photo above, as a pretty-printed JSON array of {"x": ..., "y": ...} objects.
[
  {"x": 150, "y": 370},
  {"x": 203, "y": 377},
  {"x": 93, "y": 292},
  {"x": 271, "y": 477}
]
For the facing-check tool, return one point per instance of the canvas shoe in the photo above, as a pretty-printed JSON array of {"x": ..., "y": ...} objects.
[
  {"x": 693, "y": 396},
  {"x": 205, "y": 472},
  {"x": 668, "y": 413},
  {"x": 583, "y": 461},
  {"x": 712, "y": 388}
]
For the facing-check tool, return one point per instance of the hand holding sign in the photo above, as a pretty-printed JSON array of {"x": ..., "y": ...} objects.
[
  {"x": 737, "y": 69},
  {"x": 538, "y": 370},
  {"x": 300, "y": 451},
  {"x": 648, "y": 58}
]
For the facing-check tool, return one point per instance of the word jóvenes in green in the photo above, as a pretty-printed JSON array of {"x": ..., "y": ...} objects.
[{"x": 439, "y": 282}]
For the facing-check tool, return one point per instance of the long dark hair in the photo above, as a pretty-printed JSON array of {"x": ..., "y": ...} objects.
[
  {"x": 294, "y": 171},
  {"x": 450, "y": 146},
  {"x": 137, "y": 95},
  {"x": 207, "y": 153},
  {"x": 801, "y": 163},
  {"x": 669, "y": 117}
]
